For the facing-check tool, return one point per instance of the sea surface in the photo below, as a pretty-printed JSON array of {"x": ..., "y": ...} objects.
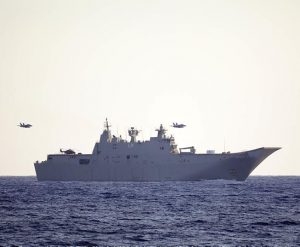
[{"x": 262, "y": 211}]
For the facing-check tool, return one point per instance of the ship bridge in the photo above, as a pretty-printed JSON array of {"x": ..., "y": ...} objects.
[{"x": 161, "y": 142}]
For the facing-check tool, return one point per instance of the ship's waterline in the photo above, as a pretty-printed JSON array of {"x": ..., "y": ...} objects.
[{"x": 157, "y": 159}]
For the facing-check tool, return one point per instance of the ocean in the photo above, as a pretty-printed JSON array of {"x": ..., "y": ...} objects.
[{"x": 262, "y": 211}]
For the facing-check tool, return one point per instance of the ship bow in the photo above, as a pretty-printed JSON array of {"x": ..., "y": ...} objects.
[{"x": 254, "y": 158}]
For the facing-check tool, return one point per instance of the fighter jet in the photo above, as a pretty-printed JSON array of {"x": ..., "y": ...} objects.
[
  {"x": 68, "y": 151},
  {"x": 176, "y": 125},
  {"x": 23, "y": 125}
]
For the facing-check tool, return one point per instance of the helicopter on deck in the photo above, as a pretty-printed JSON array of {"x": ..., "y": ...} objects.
[{"x": 67, "y": 151}]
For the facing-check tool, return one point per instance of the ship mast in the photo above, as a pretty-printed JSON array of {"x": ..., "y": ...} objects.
[
  {"x": 161, "y": 132},
  {"x": 106, "y": 125},
  {"x": 106, "y": 135}
]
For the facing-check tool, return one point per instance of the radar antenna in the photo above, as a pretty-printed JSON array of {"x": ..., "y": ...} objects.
[{"x": 133, "y": 133}]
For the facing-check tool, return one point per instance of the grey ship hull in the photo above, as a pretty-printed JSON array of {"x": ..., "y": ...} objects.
[{"x": 142, "y": 167}]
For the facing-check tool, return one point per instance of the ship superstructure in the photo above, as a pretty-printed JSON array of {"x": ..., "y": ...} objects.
[{"x": 157, "y": 159}]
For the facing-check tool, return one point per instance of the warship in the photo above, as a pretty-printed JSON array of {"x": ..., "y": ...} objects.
[{"x": 157, "y": 159}]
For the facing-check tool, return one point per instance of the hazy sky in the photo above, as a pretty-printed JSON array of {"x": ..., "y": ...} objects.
[{"x": 230, "y": 70}]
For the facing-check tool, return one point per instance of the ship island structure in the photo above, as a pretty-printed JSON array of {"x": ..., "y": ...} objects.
[{"x": 157, "y": 159}]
